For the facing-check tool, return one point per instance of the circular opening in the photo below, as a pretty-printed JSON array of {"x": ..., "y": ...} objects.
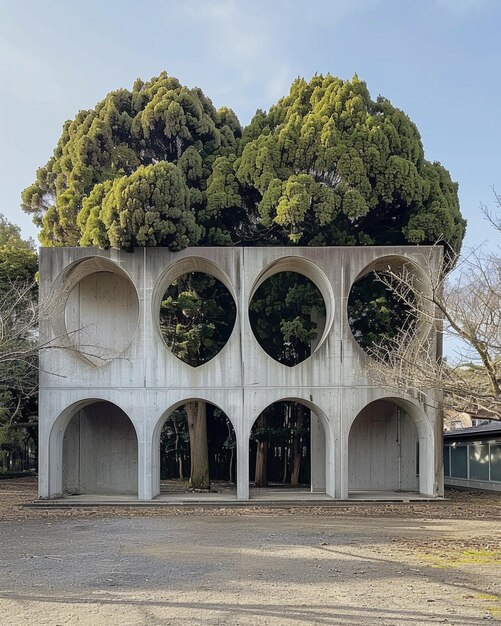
[
  {"x": 197, "y": 317},
  {"x": 382, "y": 306},
  {"x": 288, "y": 315},
  {"x": 197, "y": 449},
  {"x": 100, "y": 310}
]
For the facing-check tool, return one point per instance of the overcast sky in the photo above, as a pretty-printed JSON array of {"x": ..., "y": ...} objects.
[{"x": 438, "y": 60}]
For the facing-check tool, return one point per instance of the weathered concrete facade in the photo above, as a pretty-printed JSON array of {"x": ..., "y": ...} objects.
[{"x": 101, "y": 417}]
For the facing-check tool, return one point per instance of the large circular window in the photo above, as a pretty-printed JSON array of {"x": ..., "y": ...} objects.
[
  {"x": 287, "y": 314},
  {"x": 197, "y": 316},
  {"x": 381, "y": 308}
]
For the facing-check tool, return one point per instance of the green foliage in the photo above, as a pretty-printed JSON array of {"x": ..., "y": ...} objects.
[
  {"x": 196, "y": 317},
  {"x": 151, "y": 207},
  {"x": 375, "y": 314},
  {"x": 18, "y": 259},
  {"x": 326, "y": 165},
  {"x": 286, "y": 314},
  {"x": 18, "y": 354},
  {"x": 329, "y": 166},
  {"x": 156, "y": 123}
]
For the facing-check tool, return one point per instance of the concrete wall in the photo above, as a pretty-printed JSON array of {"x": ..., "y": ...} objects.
[
  {"x": 100, "y": 452},
  {"x": 382, "y": 449},
  {"x": 101, "y": 316},
  {"x": 129, "y": 365}
]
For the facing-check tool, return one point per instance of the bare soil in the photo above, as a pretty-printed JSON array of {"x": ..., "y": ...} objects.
[{"x": 417, "y": 563}]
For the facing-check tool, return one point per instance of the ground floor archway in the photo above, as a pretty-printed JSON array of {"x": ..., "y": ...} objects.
[
  {"x": 100, "y": 452},
  {"x": 288, "y": 447},
  {"x": 383, "y": 449},
  {"x": 195, "y": 448}
]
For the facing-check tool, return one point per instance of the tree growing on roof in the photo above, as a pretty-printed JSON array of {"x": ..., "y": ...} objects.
[{"x": 326, "y": 165}]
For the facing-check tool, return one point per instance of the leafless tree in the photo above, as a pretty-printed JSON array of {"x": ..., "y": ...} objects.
[
  {"x": 463, "y": 307},
  {"x": 493, "y": 216},
  {"x": 21, "y": 316}
]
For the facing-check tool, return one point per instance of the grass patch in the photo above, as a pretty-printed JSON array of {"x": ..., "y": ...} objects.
[
  {"x": 494, "y": 609},
  {"x": 484, "y": 556}
]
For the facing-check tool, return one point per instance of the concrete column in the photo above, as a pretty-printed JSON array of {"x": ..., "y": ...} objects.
[
  {"x": 144, "y": 464},
  {"x": 242, "y": 467},
  {"x": 43, "y": 462},
  {"x": 341, "y": 455},
  {"x": 55, "y": 461},
  {"x": 426, "y": 466},
  {"x": 318, "y": 456}
]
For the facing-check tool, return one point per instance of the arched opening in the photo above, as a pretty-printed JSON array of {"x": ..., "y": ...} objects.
[
  {"x": 197, "y": 317},
  {"x": 383, "y": 303},
  {"x": 96, "y": 309},
  {"x": 100, "y": 452},
  {"x": 384, "y": 449},
  {"x": 290, "y": 448},
  {"x": 195, "y": 447}
]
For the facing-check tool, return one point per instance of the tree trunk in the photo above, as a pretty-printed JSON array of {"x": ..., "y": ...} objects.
[
  {"x": 285, "y": 473},
  {"x": 232, "y": 455},
  {"x": 260, "y": 478},
  {"x": 196, "y": 413},
  {"x": 296, "y": 446},
  {"x": 178, "y": 454},
  {"x": 287, "y": 420}
]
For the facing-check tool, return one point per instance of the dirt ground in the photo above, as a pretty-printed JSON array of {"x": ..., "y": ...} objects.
[{"x": 417, "y": 563}]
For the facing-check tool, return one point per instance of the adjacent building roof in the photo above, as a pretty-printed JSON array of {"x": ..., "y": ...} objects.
[{"x": 485, "y": 430}]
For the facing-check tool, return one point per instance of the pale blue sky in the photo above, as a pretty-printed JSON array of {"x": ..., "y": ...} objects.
[{"x": 438, "y": 60}]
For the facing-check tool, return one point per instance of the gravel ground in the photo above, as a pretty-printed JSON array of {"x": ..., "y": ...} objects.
[{"x": 358, "y": 564}]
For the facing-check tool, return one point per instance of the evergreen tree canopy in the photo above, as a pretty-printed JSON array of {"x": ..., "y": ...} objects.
[
  {"x": 121, "y": 147},
  {"x": 326, "y": 165},
  {"x": 18, "y": 259},
  {"x": 329, "y": 166}
]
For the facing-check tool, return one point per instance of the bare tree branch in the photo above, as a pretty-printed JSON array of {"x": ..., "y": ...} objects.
[{"x": 464, "y": 306}]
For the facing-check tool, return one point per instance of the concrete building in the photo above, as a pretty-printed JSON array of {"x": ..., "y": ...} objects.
[{"x": 105, "y": 396}]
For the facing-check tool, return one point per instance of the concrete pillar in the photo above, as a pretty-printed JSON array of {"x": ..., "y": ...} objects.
[
  {"x": 242, "y": 466},
  {"x": 426, "y": 466},
  {"x": 341, "y": 489},
  {"x": 43, "y": 461},
  {"x": 55, "y": 464},
  {"x": 152, "y": 472},
  {"x": 331, "y": 455},
  {"x": 318, "y": 455},
  {"x": 144, "y": 464}
]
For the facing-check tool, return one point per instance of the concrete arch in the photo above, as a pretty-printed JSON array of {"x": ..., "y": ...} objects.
[
  {"x": 177, "y": 269},
  {"x": 157, "y": 431},
  {"x": 425, "y": 437},
  {"x": 328, "y": 478},
  {"x": 409, "y": 405},
  {"x": 307, "y": 268},
  {"x": 57, "y": 435},
  {"x": 391, "y": 261},
  {"x": 96, "y": 309}
]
